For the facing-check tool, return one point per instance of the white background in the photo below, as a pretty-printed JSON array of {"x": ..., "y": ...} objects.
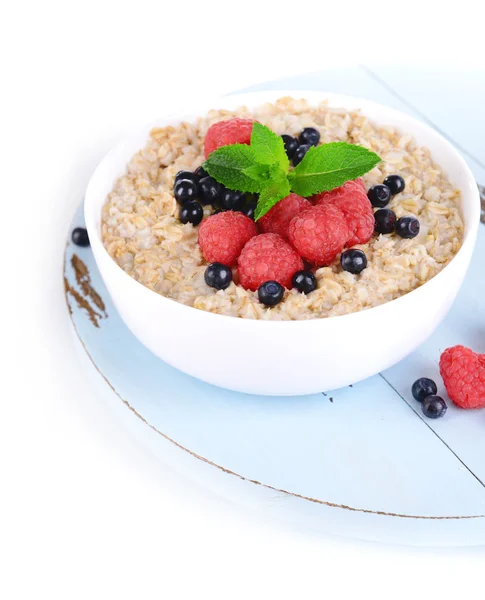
[{"x": 86, "y": 510}]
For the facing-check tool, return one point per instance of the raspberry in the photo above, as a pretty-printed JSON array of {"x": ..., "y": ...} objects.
[
  {"x": 463, "y": 372},
  {"x": 354, "y": 186},
  {"x": 267, "y": 257},
  {"x": 319, "y": 233},
  {"x": 277, "y": 220},
  {"x": 224, "y": 133},
  {"x": 222, "y": 236},
  {"x": 352, "y": 200},
  {"x": 360, "y": 218}
]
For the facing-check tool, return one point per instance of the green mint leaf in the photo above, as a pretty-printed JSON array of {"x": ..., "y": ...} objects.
[
  {"x": 269, "y": 148},
  {"x": 259, "y": 173},
  {"x": 227, "y": 165},
  {"x": 276, "y": 173},
  {"x": 326, "y": 167},
  {"x": 271, "y": 194}
]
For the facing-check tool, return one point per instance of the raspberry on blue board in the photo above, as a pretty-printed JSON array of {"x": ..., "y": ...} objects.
[
  {"x": 463, "y": 374},
  {"x": 268, "y": 169}
]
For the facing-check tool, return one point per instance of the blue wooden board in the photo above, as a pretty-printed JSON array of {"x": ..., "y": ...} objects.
[
  {"x": 455, "y": 109},
  {"x": 358, "y": 461}
]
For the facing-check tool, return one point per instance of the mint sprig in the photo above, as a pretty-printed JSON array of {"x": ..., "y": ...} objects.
[
  {"x": 274, "y": 191},
  {"x": 269, "y": 148},
  {"x": 229, "y": 165},
  {"x": 263, "y": 167},
  {"x": 326, "y": 167}
]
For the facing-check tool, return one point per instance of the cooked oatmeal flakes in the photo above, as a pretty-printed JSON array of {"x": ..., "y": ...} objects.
[{"x": 142, "y": 233}]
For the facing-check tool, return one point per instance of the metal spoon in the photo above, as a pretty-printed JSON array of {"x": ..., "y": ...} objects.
[{"x": 481, "y": 191}]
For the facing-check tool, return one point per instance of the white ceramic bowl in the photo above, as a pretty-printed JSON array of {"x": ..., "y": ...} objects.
[{"x": 285, "y": 357}]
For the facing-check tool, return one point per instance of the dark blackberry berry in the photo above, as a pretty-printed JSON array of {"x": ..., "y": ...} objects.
[
  {"x": 423, "y": 387},
  {"x": 270, "y": 293},
  {"x": 300, "y": 153},
  {"x": 249, "y": 209},
  {"x": 395, "y": 183},
  {"x": 218, "y": 276},
  {"x": 353, "y": 260},
  {"x": 379, "y": 195},
  {"x": 80, "y": 237},
  {"x": 232, "y": 200},
  {"x": 209, "y": 190},
  {"x": 310, "y": 136},
  {"x": 385, "y": 220},
  {"x": 434, "y": 407},
  {"x": 201, "y": 173},
  {"x": 304, "y": 281},
  {"x": 407, "y": 227},
  {"x": 185, "y": 190},
  {"x": 191, "y": 212},
  {"x": 187, "y": 175},
  {"x": 291, "y": 145}
]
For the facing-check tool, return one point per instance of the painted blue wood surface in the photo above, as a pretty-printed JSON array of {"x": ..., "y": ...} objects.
[
  {"x": 461, "y": 430},
  {"x": 367, "y": 447},
  {"x": 451, "y": 99},
  {"x": 360, "y": 446}
]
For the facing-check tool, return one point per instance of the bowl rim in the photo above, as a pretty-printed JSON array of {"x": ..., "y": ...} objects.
[{"x": 190, "y": 111}]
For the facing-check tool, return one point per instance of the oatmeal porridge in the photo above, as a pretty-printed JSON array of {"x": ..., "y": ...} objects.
[{"x": 143, "y": 233}]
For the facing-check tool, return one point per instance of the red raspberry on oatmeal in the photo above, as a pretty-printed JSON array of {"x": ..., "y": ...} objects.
[
  {"x": 319, "y": 234},
  {"x": 277, "y": 220},
  {"x": 355, "y": 185},
  {"x": 352, "y": 200},
  {"x": 267, "y": 257},
  {"x": 224, "y": 133},
  {"x": 223, "y": 236},
  {"x": 147, "y": 234}
]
